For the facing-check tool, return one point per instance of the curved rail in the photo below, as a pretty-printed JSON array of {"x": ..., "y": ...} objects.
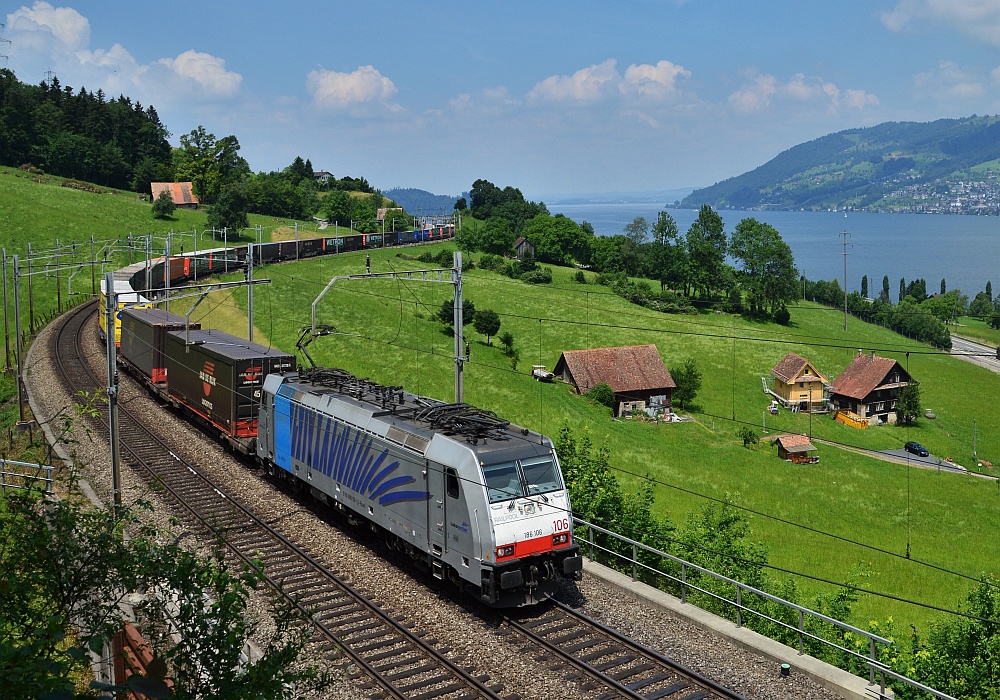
[
  {"x": 392, "y": 655},
  {"x": 627, "y": 668}
]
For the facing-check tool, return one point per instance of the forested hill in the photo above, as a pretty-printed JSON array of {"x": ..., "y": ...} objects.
[
  {"x": 895, "y": 166},
  {"x": 422, "y": 202},
  {"x": 80, "y": 134}
]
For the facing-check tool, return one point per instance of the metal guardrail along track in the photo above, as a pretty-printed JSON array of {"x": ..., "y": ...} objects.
[
  {"x": 396, "y": 658},
  {"x": 626, "y": 668}
]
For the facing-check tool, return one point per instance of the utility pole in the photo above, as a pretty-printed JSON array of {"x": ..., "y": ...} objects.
[
  {"x": 17, "y": 342},
  {"x": 6, "y": 320},
  {"x": 111, "y": 307},
  {"x": 845, "y": 234},
  {"x": 250, "y": 292},
  {"x": 459, "y": 345}
]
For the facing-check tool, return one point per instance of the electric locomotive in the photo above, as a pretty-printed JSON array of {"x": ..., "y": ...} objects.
[{"x": 479, "y": 500}]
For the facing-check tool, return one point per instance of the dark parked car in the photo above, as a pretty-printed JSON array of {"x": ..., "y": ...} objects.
[{"x": 916, "y": 448}]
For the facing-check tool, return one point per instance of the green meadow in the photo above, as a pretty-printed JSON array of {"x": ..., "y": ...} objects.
[
  {"x": 807, "y": 516},
  {"x": 386, "y": 330}
]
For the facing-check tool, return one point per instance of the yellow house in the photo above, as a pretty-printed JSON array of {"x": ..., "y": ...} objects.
[{"x": 799, "y": 385}]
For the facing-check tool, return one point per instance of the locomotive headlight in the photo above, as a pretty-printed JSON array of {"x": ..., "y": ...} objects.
[
  {"x": 560, "y": 539},
  {"x": 505, "y": 551}
]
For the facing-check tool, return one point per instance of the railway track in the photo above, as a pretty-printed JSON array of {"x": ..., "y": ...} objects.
[
  {"x": 398, "y": 661},
  {"x": 623, "y": 667}
]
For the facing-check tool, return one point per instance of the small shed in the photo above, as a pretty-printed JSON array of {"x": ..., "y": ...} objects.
[
  {"x": 523, "y": 248},
  {"x": 796, "y": 448},
  {"x": 635, "y": 373},
  {"x": 182, "y": 193}
]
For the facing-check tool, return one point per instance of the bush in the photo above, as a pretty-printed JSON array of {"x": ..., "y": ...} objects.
[
  {"x": 580, "y": 277},
  {"x": 749, "y": 436},
  {"x": 782, "y": 316},
  {"x": 543, "y": 276},
  {"x": 494, "y": 263},
  {"x": 603, "y": 395}
]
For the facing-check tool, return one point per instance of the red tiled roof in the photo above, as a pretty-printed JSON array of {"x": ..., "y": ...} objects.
[
  {"x": 864, "y": 375},
  {"x": 795, "y": 443},
  {"x": 180, "y": 192},
  {"x": 791, "y": 369},
  {"x": 624, "y": 369}
]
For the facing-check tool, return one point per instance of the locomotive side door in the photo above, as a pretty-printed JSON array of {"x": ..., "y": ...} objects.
[{"x": 437, "y": 511}]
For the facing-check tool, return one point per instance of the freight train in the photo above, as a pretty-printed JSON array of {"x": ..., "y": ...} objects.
[
  {"x": 163, "y": 273},
  {"x": 480, "y": 501}
]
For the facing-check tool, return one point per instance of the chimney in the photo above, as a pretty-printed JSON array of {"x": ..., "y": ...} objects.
[
  {"x": 873, "y": 354},
  {"x": 860, "y": 352}
]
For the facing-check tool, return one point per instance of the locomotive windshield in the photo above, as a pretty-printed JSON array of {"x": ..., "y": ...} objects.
[
  {"x": 505, "y": 481},
  {"x": 540, "y": 475}
]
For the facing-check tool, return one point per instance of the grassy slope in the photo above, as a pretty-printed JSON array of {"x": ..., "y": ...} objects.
[{"x": 389, "y": 336}]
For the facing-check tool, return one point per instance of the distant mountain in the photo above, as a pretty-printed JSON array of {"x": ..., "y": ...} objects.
[
  {"x": 662, "y": 197},
  {"x": 422, "y": 202},
  {"x": 945, "y": 165}
]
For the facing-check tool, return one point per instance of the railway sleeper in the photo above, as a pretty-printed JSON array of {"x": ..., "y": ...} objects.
[
  {"x": 618, "y": 661},
  {"x": 631, "y": 671},
  {"x": 639, "y": 685}
]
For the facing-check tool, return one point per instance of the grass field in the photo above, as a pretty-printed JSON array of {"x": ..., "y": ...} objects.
[
  {"x": 388, "y": 333},
  {"x": 976, "y": 329}
]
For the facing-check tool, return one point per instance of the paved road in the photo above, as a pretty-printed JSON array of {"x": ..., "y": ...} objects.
[{"x": 976, "y": 353}]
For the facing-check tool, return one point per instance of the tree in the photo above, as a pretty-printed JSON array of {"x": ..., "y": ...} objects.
[
  {"x": 209, "y": 163},
  {"x": 461, "y": 204},
  {"x": 164, "y": 207},
  {"x": 707, "y": 246},
  {"x": 65, "y": 570},
  {"x": 447, "y": 312},
  {"x": 666, "y": 257},
  {"x": 557, "y": 239},
  {"x": 230, "y": 211},
  {"x": 908, "y": 404},
  {"x": 487, "y": 322},
  {"x": 636, "y": 234},
  {"x": 496, "y": 237},
  {"x": 687, "y": 377},
  {"x": 884, "y": 295},
  {"x": 749, "y": 436},
  {"x": 902, "y": 288},
  {"x": 981, "y": 306},
  {"x": 766, "y": 266},
  {"x": 864, "y": 287},
  {"x": 944, "y": 286},
  {"x": 507, "y": 340},
  {"x": 989, "y": 289}
]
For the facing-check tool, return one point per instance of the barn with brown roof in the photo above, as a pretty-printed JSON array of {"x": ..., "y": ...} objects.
[
  {"x": 869, "y": 387},
  {"x": 635, "y": 373},
  {"x": 796, "y": 448},
  {"x": 798, "y": 384},
  {"x": 181, "y": 192}
]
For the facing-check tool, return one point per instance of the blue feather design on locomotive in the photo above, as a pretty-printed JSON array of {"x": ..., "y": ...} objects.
[{"x": 349, "y": 457}]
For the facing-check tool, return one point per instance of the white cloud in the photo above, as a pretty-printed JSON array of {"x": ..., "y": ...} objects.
[
  {"x": 334, "y": 90},
  {"x": 66, "y": 25},
  {"x": 754, "y": 96},
  {"x": 979, "y": 19},
  {"x": 761, "y": 90},
  {"x": 206, "y": 71},
  {"x": 657, "y": 81},
  {"x": 585, "y": 85},
  {"x": 58, "y": 38},
  {"x": 949, "y": 82}
]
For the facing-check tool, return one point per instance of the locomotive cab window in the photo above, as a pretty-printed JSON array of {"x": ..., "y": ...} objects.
[
  {"x": 541, "y": 475},
  {"x": 451, "y": 477},
  {"x": 503, "y": 482}
]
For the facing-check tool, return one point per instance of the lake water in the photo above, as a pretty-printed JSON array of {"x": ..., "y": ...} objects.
[{"x": 964, "y": 250}]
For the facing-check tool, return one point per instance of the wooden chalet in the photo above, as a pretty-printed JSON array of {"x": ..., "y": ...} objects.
[
  {"x": 181, "y": 192},
  {"x": 798, "y": 385},
  {"x": 796, "y": 448},
  {"x": 869, "y": 388},
  {"x": 523, "y": 248},
  {"x": 635, "y": 373}
]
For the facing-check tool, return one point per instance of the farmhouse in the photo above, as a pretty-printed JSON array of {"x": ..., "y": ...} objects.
[
  {"x": 869, "y": 387},
  {"x": 635, "y": 373},
  {"x": 181, "y": 192},
  {"x": 523, "y": 248},
  {"x": 322, "y": 176},
  {"x": 799, "y": 385}
]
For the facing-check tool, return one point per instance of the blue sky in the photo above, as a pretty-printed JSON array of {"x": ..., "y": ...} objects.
[{"x": 556, "y": 98}]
